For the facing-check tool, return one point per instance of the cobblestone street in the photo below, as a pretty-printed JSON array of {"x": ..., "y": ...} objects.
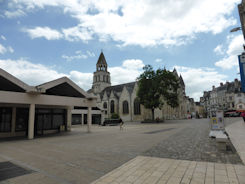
[{"x": 193, "y": 143}]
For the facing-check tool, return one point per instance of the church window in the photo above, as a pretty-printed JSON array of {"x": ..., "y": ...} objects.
[
  {"x": 136, "y": 107},
  {"x": 112, "y": 106},
  {"x": 103, "y": 78},
  {"x": 125, "y": 107},
  {"x": 105, "y": 105}
]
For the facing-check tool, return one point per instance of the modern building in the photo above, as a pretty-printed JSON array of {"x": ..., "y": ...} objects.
[{"x": 36, "y": 110}]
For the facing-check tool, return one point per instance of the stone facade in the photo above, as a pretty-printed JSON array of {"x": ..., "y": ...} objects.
[
  {"x": 224, "y": 97},
  {"x": 122, "y": 99}
]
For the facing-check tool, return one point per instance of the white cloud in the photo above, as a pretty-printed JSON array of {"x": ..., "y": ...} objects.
[
  {"x": 3, "y": 37},
  {"x": 158, "y": 60},
  {"x": 219, "y": 50},
  {"x": 234, "y": 48},
  {"x": 3, "y": 49},
  {"x": 14, "y": 14},
  {"x": 70, "y": 58},
  {"x": 35, "y": 74},
  {"x": 77, "y": 33},
  {"x": 84, "y": 80},
  {"x": 46, "y": 32},
  {"x": 128, "y": 72},
  {"x": 10, "y": 49},
  {"x": 198, "y": 80},
  {"x": 145, "y": 22},
  {"x": 79, "y": 55},
  {"x": 91, "y": 54}
]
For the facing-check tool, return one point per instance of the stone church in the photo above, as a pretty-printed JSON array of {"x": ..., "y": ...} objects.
[{"x": 122, "y": 99}]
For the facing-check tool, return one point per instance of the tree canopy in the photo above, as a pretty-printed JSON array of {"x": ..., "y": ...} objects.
[{"x": 158, "y": 86}]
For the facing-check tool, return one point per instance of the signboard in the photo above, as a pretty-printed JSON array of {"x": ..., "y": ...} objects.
[
  {"x": 241, "y": 59},
  {"x": 217, "y": 123}
]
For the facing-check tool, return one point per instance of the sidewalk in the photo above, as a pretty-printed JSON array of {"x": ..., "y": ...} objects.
[
  {"x": 236, "y": 133},
  {"x": 152, "y": 170}
]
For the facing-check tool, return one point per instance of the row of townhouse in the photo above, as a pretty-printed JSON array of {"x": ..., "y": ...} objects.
[{"x": 225, "y": 97}]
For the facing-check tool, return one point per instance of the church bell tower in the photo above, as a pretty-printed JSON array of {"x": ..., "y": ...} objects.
[{"x": 101, "y": 78}]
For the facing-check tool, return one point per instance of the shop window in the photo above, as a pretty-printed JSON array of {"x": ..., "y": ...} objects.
[
  {"x": 5, "y": 119},
  {"x": 22, "y": 118}
]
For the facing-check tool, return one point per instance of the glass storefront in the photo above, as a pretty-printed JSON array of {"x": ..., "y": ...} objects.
[
  {"x": 49, "y": 119},
  {"x": 22, "y": 118},
  {"x": 5, "y": 119}
]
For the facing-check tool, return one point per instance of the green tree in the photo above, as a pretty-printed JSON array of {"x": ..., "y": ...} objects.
[{"x": 155, "y": 87}]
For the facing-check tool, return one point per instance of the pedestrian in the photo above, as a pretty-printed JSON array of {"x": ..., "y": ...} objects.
[
  {"x": 121, "y": 124},
  {"x": 243, "y": 116}
]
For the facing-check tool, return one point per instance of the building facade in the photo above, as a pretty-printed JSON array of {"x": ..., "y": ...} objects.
[
  {"x": 31, "y": 111},
  {"x": 122, "y": 99},
  {"x": 226, "y": 97}
]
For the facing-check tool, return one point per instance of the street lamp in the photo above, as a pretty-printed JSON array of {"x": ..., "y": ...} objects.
[{"x": 235, "y": 29}]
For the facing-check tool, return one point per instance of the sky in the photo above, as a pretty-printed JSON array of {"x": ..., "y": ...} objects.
[{"x": 47, "y": 39}]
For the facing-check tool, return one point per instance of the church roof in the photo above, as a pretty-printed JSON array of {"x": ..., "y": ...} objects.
[
  {"x": 101, "y": 59},
  {"x": 118, "y": 89},
  {"x": 182, "y": 81}
]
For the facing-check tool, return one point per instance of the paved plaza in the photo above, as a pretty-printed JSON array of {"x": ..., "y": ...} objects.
[
  {"x": 78, "y": 157},
  {"x": 152, "y": 170}
]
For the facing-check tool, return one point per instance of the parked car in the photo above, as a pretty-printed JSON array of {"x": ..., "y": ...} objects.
[{"x": 232, "y": 114}]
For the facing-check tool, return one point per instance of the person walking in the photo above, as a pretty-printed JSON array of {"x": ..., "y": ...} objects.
[
  {"x": 243, "y": 116},
  {"x": 121, "y": 124}
]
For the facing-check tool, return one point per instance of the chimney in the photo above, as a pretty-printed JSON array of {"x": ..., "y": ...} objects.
[
  {"x": 236, "y": 83},
  {"x": 213, "y": 87},
  {"x": 221, "y": 84}
]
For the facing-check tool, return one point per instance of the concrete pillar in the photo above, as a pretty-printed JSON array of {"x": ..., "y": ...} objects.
[
  {"x": 68, "y": 119},
  {"x": 13, "y": 121},
  {"x": 89, "y": 119},
  {"x": 82, "y": 119},
  {"x": 31, "y": 121}
]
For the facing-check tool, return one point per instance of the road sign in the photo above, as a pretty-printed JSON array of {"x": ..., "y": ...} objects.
[{"x": 241, "y": 59}]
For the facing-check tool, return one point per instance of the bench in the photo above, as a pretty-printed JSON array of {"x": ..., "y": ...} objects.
[{"x": 222, "y": 140}]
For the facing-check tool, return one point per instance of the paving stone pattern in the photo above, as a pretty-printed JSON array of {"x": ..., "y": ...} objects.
[
  {"x": 193, "y": 143},
  {"x": 150, "y": 170}
]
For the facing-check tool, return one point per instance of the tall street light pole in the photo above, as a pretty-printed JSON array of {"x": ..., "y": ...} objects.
[{"x": 241, "y": 9}]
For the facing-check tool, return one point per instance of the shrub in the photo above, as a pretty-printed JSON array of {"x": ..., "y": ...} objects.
[{"x": 115, "y": 116}]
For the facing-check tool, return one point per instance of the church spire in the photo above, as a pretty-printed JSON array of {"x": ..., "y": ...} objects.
[
  {"x": 101, "y": 63},
  {"x": 102, "y": 77}
]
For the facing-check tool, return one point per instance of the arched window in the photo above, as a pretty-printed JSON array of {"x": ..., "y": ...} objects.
[
  {"x": 105, "y": 105},
  {"x": 112, "y": 106},
  {"x": 136, "y": 107},
  {"x": 125, "y": 107},
  {"x": 103, "y": 78}
]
